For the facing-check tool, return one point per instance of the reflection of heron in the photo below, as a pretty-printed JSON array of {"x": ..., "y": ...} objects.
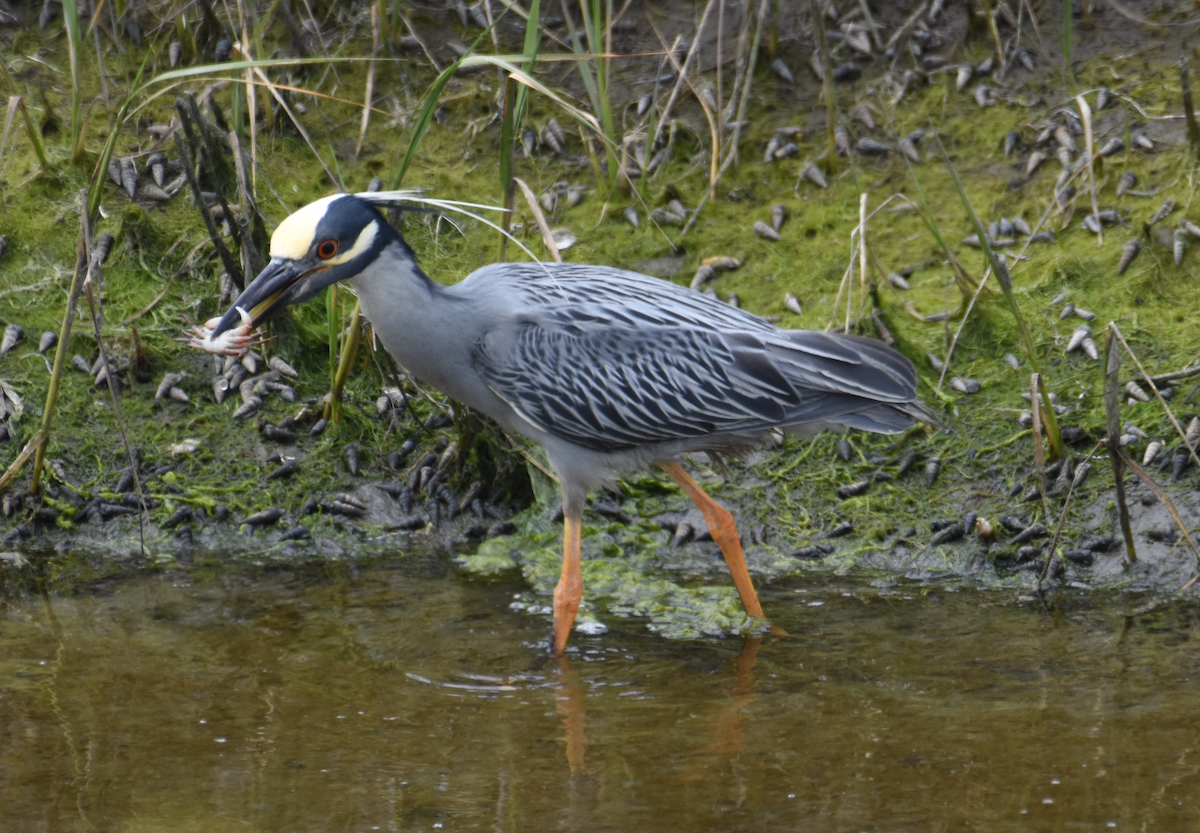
[
  {"x": 609, "y": 370},
  {"x": 569, "y": 703},
  {"x": 725, "y": 724},
  {"x": 726, "y": 735}
]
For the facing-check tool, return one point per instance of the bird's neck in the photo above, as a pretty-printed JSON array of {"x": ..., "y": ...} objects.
[{"x": 410, "y": 313}]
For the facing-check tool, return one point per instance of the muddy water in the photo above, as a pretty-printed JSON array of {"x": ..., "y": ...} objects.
[{"x": 406, "y": 697}]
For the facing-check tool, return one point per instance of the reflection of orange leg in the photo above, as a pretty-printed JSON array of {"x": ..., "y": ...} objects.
[
  {"x": 570, "y": 585},
  {"x": 724, "y": 724},
  {"x": 721, "y": 526},
  {"x": 569, "y": 702}
]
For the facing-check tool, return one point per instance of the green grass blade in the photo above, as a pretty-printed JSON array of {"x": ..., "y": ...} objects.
[
  {"x": 96, "y": 187},
  {"x": 71, "y": 23},
  {"x": 1053, "y": 435},
  {"x": 514, "y": 101},
  {"x": 429, "y": 108}
]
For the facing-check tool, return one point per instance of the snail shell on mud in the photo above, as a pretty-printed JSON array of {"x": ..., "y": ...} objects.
[
  {"x": 765, "y": 231},
  {"x": 1081, "y": 332},
  {"x": 853, "y": 489},
  {"x": 13, "y": 334},
  {"x": 779, "y": 214},
  {"x": 933, "y": 467},
  {"x": 1081, "y": 474},
  {"x": 863, "y": 113},
  {"x": 1163, "y": 210},
  {"x": 841, "y": 140},
  {"x": 966, "y": 71},
  {"x": 1127, "y": 181},
  {"x": 813, "y": 174},
  {"x": 1136, "y": 392}
]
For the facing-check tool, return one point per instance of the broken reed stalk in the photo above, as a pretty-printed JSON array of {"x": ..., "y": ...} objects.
[
  {"x": 1112, "y": 414},
  {"x": 1162, "y": 495},
  {"x": 818, "y": 24},
  {"x": 1189, "y": 110},
  {"x": 1085, "y": 115},
  {"x": 1038, "y": 406},
  {"x": 189, "y": 172}
]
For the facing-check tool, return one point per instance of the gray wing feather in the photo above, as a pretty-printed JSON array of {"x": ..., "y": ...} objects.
[{"x": 628, "y": 360}]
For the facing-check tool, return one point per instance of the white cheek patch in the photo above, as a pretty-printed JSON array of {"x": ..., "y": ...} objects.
[
  {"x": 366, "y": 238},
  {"x": 295, "y": 235}
]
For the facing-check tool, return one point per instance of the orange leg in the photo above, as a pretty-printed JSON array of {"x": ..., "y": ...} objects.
[
  {"x": 570, "y": 585},
  {"x": 724, "y": 532}
]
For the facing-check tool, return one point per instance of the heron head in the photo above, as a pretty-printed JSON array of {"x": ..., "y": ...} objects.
[{"x": 324, "y": 242}]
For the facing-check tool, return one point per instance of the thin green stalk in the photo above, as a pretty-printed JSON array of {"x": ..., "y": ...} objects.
[
  {"x": 818, "y": 22},
  {"x": 1112, "y": 418},
  {"x": 78, "y": 125},
  {"x": 966, "y": 284},
  {"x": 428, "y": 109},
  {"x": 60, "y": 353},
  {"x": 594, "y": 79},
  {"x": 1053, "y": 434},
  {"x": 96, "y": 187},
  {"x": 331, "y": 297},
  {"x": 349, "y": 354},
  {"x": 514, "y": 106},
  {"x": 35, "y": 135}
]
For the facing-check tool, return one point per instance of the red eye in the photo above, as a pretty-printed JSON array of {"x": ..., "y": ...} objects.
[{"x": 327, "y": 249}]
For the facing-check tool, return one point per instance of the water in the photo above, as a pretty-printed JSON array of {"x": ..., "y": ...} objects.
[{"x": 406, "y": 697}]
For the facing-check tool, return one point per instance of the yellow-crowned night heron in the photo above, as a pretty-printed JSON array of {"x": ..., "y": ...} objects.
[{"x": 608, "y": 370}]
